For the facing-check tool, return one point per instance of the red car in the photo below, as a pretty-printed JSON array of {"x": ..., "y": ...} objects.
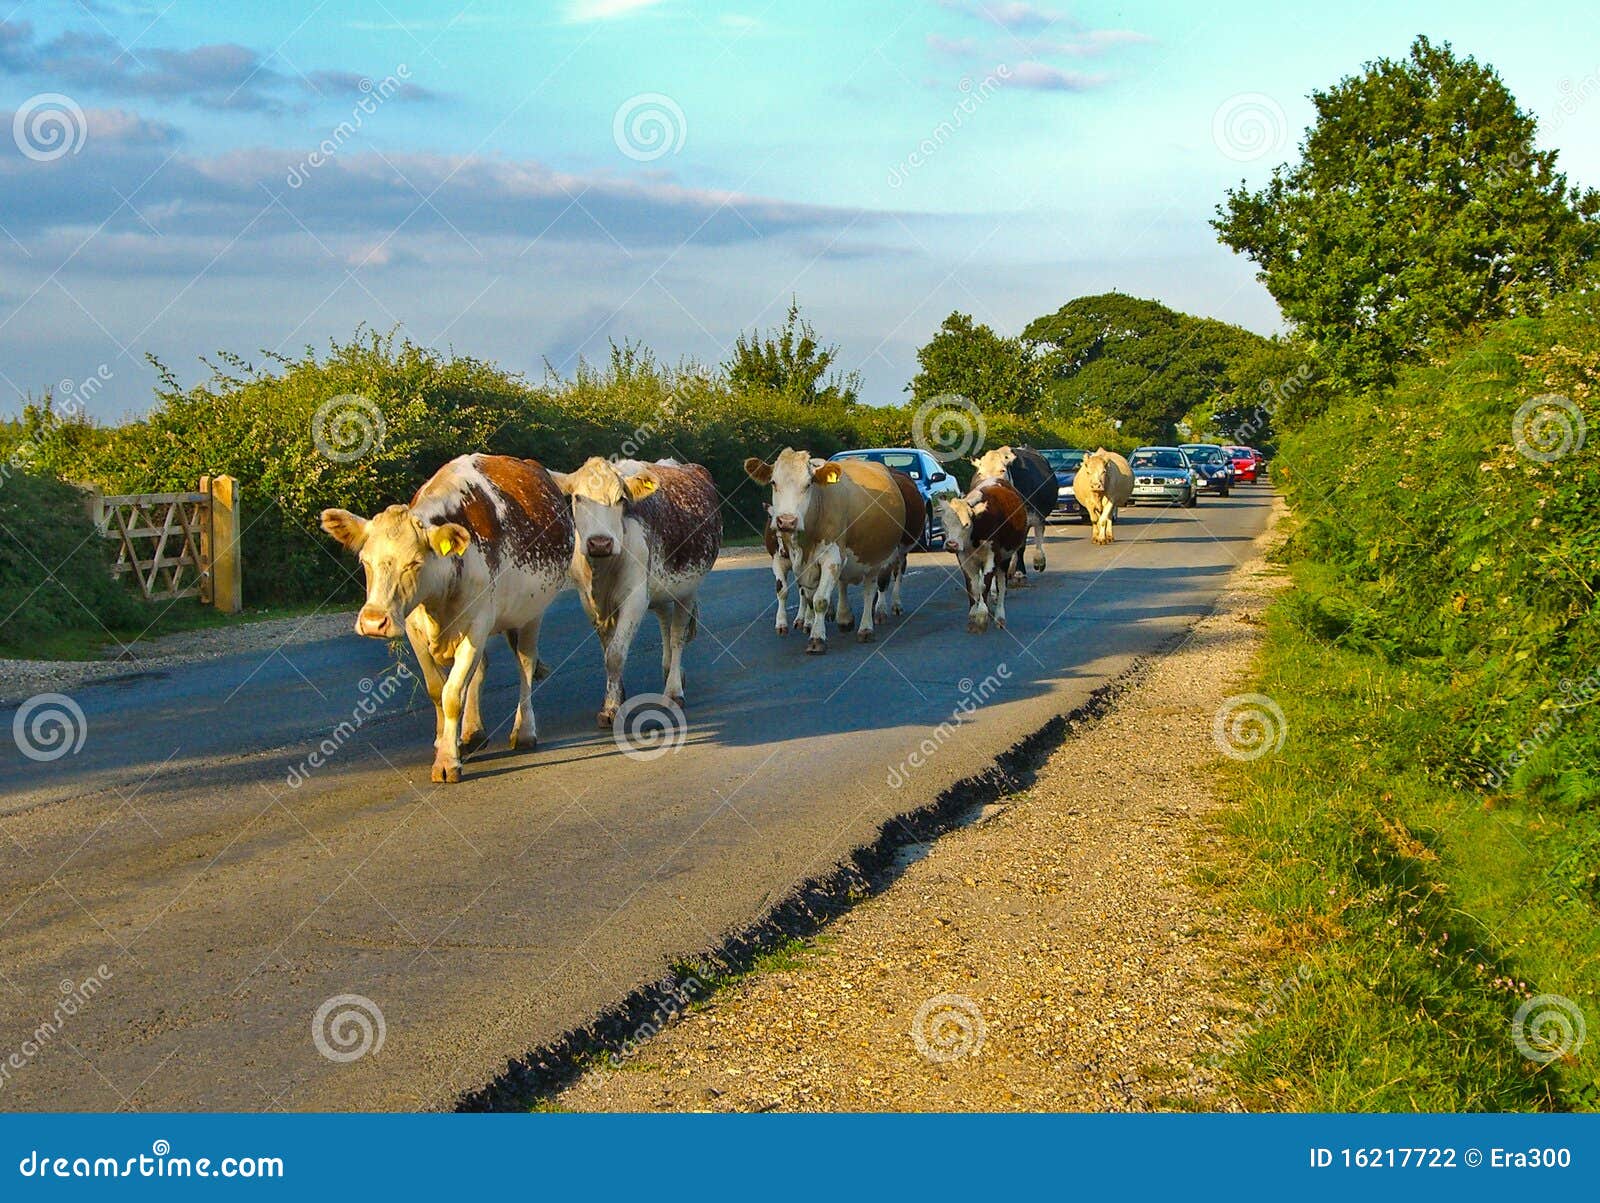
[{"x": 1246, "y": 463}]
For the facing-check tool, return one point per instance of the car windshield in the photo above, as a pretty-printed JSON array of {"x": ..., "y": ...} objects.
[
  {"x": 908, "y": 462},
  {"x": 1205, "y": 455},
  {"x": 1163, "y": 458},
  {"x": 1064, "y": 461}
]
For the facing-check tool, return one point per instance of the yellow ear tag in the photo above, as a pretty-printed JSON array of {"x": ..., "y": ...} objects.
[
  {"x": 641, "y": 487},
  {"x": 444, "y": 542}
]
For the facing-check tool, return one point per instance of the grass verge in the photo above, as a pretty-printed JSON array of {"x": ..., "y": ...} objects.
[{"x": 1413, "y": 921}]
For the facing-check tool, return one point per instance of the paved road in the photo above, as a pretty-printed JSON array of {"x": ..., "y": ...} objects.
[{"x": 487, "y": 918}]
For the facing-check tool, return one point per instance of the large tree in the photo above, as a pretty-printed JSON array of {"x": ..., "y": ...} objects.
[
  {"x": 971, "y": 359},
  {"x": 789, "y": 360},
  {"x": 1420, "y": 205},
  {"x": 1135, "y": 360}
]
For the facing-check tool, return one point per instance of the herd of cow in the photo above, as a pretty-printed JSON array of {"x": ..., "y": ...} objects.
[{"x": 489, "y": 541}]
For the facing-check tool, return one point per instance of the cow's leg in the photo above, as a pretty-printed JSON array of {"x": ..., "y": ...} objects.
[
  {"x": 1000, "y": 595},
  {"x": 900, "y": 571},
  {"x": 431, "y": 676},
  {"x": 973, "y": 568},
  {"x": 629, "y": 616},
  {"x": 843, "y": 616},
  {"x": 447, "y": 751},
  {"x": 990, "y": 567},
  {"x": 525, "y": 643},
  {"x": 472, "y": 712},
  {"x": 780, "y": 572},
  {"x": 869, "y": 609},
  {"x": 827, "y": 580},
  {"x": 1038, "y": 543},
  {"x": 1014, "y": 563},
  {"x": 1110, "y": 512},
  {"x": 682, "y": 630}
]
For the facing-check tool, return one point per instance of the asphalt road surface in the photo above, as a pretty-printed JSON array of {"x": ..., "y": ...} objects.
[{"x": 483, "y": 920}]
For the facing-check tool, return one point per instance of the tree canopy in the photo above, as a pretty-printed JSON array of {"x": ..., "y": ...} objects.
[
  {"x": 989, "y": 369},
  {"x": 1135, "y": 360},
  {"x": 1420, "y": 206}
]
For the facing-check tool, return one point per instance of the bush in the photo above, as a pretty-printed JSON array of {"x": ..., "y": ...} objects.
[
  {"x": 257, "y": 425},
  {"x": 1446, "y": 549},
  {"x": 55, "y": 569}
]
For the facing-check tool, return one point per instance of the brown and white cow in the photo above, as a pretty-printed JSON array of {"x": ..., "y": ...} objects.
[
  {"x": 482, "y": 549},
  {"x": 845, "y": 521},
  {"x": 646, "y": 535},
  {"x": 780, "y": 549},
  {"x": 1103, "y": 483},
  {"x": 986, "y": 529},
  {"x": 1031, "y": 475}
]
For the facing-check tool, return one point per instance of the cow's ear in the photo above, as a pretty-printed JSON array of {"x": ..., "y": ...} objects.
[
  {"x": 562, "y": 481},
  {"x": 641, "y": 486},
  {"x": 349, "y": 529},
  {"x": 979, "y": 508},
  {"x": 758, "y": 470},
  {"x": 449, "y": 539},
  {"x": 827, "y": 474}
]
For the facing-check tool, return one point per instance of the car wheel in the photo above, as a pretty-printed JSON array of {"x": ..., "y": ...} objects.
[{"x": 927, "y": 535}]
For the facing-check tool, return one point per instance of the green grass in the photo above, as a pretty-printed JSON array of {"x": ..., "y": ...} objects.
[
  {"x": 1417, "y": 916},
  {"x": 94, "y": 642}
]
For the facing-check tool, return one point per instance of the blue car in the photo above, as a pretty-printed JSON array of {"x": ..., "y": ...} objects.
[
  {"x": 926, "y": 473},
  {"x": 1065, "y": 462},
  {"x": 1213, "y": 464},
  {"x": 1163, "y": 474}
]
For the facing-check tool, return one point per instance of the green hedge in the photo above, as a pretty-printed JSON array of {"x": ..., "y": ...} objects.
[
  {"x": 1443, "y": 547},
  {"x": 257, "y": 425}
]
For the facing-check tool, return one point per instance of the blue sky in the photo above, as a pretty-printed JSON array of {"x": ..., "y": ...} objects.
[{"x": 524, "y": 181}]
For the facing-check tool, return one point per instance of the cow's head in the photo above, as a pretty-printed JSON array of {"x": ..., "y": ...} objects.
[
  {"x": 956, "y": 515},
  {"x": 601, "y": 496},
  {"x": 992, "y": 465},
  {"x": 1093, "y": 470},
  {"x": 405, "y": 562},
  {"x": 793, "y": 476}
]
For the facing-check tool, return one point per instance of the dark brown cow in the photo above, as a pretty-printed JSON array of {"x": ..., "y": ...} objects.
[{"x": 985, "y": 529}]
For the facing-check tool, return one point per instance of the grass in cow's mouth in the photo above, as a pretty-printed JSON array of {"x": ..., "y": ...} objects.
[{"x": 1406, "y": 921}]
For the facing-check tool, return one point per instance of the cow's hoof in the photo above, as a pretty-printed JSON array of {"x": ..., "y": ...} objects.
[
  {"x": 781, "y": 631},
  {"x": 541, "y": 670},
  {"x": 1000, "y": 624},
  {"x": 865, "y": 636},
  {"x": 446, "y": 774},
  {"x": 678, "y": 700},
  {"x": 605, "y": 717},
  {"x": 899, "y": 610},
  {"x": 848, "y": 624},
  {"x": 815, "y": 647},
  {"x": 523, "y": 743},
  {"x": 974, "y": 627},
  {"x": 473, "y": 740},
  {"x": 1017, "y": 581},
  {"x": 1038, "y": 565}
]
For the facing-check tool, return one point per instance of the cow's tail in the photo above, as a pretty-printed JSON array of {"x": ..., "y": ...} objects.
[{"x": 694, "y": 620}]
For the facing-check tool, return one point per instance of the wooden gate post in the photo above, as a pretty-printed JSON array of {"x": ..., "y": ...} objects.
[{"x": 226, "y": 570}]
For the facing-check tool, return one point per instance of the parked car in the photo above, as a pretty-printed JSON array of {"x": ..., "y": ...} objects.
[
  {"x": 1163, "y": 474},
  {"x": 926, "y": 472},
  {"x": 1065, "y": 461},
  {"x": 1245, "y": 464},
  {"x": 1212, "y": 466}
]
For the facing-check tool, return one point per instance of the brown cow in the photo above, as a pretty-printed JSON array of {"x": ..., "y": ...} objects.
[
  {"x": 845, "y": 521},
  {"x": 985, "y": 529},
  {"x": 482, "y": 549}
]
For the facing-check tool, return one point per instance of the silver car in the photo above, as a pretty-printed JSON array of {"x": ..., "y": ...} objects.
[{"x": 1163, "y": 474}]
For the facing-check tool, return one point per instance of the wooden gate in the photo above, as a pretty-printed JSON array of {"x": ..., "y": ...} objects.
[{"x": 177, "y": 545}]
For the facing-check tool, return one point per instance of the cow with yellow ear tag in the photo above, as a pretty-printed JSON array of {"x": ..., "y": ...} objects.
[
  {"x": 482, "y": 549},
  {"x": 645, "y": 537}
]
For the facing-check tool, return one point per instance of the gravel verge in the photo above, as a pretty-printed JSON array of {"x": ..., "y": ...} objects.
[{"x": 1054, "y": 954}]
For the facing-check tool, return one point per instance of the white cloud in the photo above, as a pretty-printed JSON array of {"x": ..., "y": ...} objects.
[{"x": 605, "y": 10}]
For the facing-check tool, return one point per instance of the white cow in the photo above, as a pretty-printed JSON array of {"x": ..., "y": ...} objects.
[
  {"x": 482, "y": 549},
  {"x": 646, "y": 535}
]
